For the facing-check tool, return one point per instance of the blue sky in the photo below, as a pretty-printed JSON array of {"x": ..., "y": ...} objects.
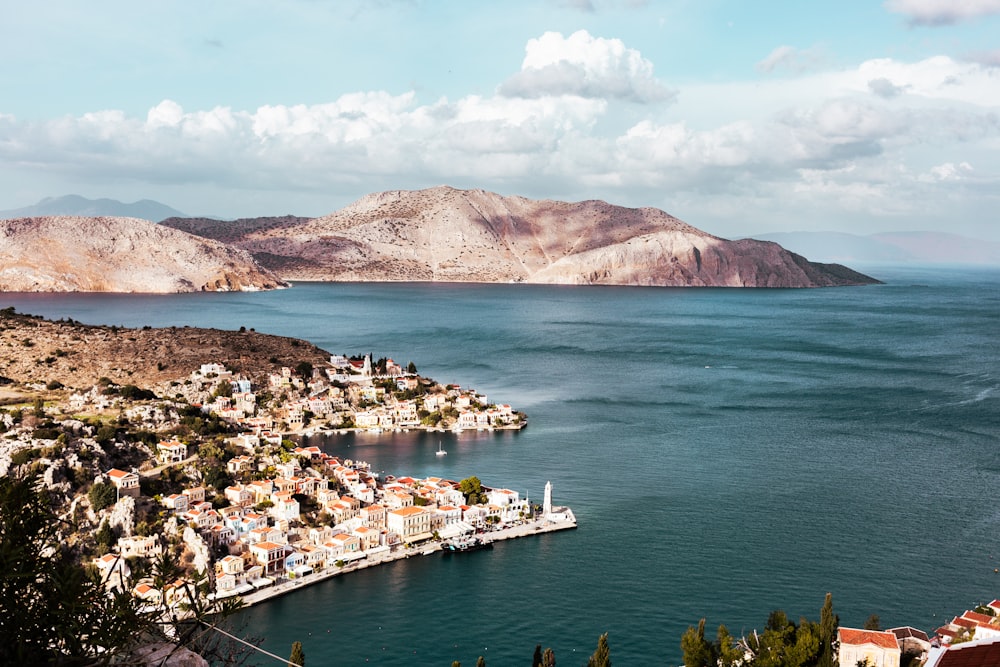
[{"x": 737, "y": 117}]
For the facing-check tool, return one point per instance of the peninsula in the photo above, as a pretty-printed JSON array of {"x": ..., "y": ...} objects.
[{"x": 199, "y": 468}]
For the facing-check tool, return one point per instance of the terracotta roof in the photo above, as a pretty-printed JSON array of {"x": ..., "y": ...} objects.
[
  {"x": 408, "y": 511},
  {"x": 978, "y": 618},
  {"x": 858, "y": 637},
  {"x": 972, "y": 654},
  {"x": 268, "y": 545},
  {"x": 115, "y": 472}
]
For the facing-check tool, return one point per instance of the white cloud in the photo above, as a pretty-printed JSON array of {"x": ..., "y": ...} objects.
[
  {"x": 584, "y": 66},
  {"x": 943, "y": 12},
  {"x": 949, "y": 171},
  {"x": 883, "y": 87},
  {"x": 165, "y": 114},
  {"x": 938, "y": 78},
  {"x": 817, "y": 144}
]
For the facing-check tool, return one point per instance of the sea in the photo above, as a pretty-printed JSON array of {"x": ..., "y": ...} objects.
[{"x": 727, "y": 452}]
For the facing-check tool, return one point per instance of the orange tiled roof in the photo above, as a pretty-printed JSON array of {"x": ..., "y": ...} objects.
[
  {"x": 982, "y": 619},
  {"x": 858, "y": 637},
  {"x": 408, "y": 511}
]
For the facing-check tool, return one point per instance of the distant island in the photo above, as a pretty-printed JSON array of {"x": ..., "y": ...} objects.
[
  {"x": 451, "y": 235},
  {"x": 436, "y": 235},
  {"x": 75, "y": 205}
]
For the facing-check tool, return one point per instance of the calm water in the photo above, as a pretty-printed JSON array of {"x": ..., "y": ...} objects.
[{"x": 726, "y": 452}]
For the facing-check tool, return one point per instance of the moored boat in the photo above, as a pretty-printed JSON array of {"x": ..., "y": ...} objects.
[{"x": 464, "y": 544}]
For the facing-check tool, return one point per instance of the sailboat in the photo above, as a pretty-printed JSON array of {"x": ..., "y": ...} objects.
[{"x": 440, "y": 452}]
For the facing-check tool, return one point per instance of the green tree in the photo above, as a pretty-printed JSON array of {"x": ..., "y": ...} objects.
[
  {"x": 873, "y": 623},
  {"x": 696, "y": 649},
  {"x": 536, "y": 660},
  {"x": 778, "y": 635},
  {"x": 102, "y": 495},
  {"x": 298, "y": 656},
  {"x": 224, "y": 388},
  {"x": 104, "y": 537},
  {"x": 727, "y": 651},
  {"x": 57, "y": 613},
  {"x": 411, "y": 368},
  {"x": 304, "y": 369},
  {"x": 473, "y": 489},
  {"x": 602, "y": 655},
  {"x": 828, "y": 623},
  {"x": 806, "y": 647}
]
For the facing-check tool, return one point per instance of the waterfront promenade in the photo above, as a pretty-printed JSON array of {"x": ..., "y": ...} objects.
[{"x": 565, "y": 521}]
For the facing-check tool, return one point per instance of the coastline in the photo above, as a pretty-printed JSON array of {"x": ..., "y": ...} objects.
[
  {"x": 334, "y": 430},
  {"x": 526, "y": 529}
]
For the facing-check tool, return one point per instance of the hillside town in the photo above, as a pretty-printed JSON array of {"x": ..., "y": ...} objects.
[
  {"x": 352, "y": 393},
  {"x": 203, "y": 470}
]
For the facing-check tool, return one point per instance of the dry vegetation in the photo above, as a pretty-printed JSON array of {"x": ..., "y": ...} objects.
[{"x": 36, "y": 353}]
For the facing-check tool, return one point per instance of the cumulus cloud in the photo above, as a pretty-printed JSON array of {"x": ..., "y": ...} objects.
[
  {"x": 943, "y": 12},
  {"x": 938, "y": 78},
  {"x": 584, "y": 66},
  {"x": 838, "y": 140},
  {"x": 949, "y": 171}
]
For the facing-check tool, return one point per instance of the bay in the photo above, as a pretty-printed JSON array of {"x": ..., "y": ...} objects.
[{"x": 727, "y": 452}]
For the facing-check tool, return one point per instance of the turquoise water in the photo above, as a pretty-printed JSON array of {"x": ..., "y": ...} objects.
[{"x": 727, "y": 452}]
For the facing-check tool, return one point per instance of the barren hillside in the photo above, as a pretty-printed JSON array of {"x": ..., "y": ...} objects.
[
  {"x": 75, "y": 254},
  {"x": 39, "y": 351},
  {"x": 444, "y": 234}
]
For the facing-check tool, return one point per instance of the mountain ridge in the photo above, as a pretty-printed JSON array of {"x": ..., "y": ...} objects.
[
  {"x": 447, "y": 234},
  {"x": 76, "y": 205}
]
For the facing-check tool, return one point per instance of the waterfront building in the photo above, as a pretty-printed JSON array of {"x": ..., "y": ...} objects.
[
  {"x": 270, "y": 556},
  {"x": 412, "y": 524}
]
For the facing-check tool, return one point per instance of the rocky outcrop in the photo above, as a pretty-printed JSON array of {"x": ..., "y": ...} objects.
[
  {"x": 76, "y": 254},
  {"x": 444, "y": 234}
]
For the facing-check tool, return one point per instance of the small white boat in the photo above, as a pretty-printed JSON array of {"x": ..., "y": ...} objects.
[{"x": 440, "y": 452}]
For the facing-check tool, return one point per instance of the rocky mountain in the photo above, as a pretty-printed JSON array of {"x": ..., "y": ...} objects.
[
  {"x": 147, "y": 209},
  {"x": 917, "y": 247},
  {"x": 75, "y": 254},
  {"x": 445, "y": 234}
]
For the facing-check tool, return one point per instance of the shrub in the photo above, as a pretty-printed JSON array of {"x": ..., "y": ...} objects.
[{"x": 102, "y": 495}]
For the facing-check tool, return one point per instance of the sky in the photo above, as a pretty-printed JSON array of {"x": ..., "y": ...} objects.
[{"x": 738, "y": 117}]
